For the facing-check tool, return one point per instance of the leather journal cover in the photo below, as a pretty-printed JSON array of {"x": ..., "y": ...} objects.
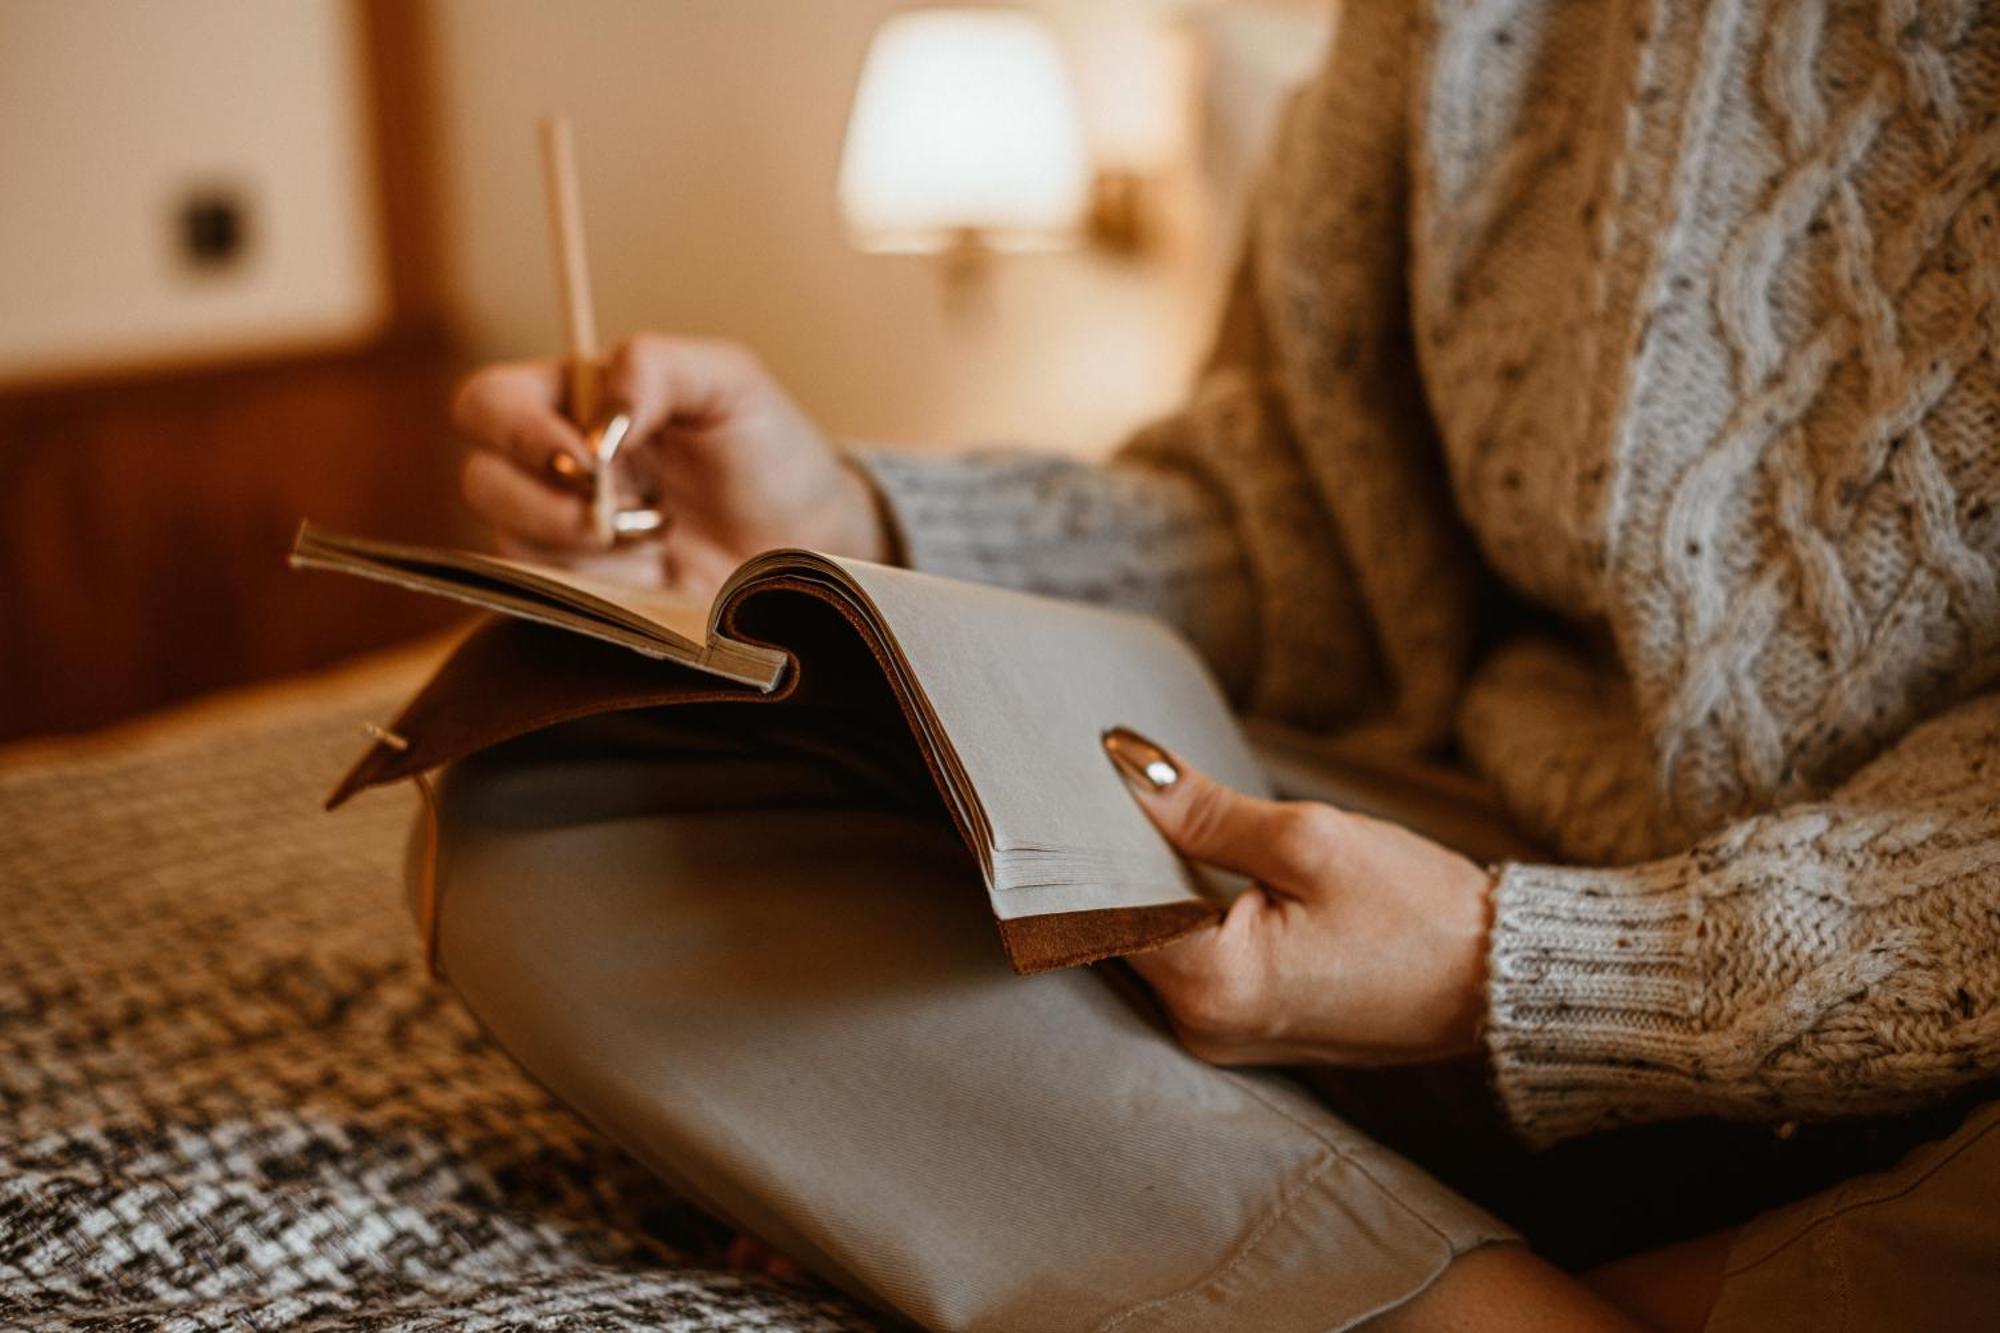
[{"x": 985, "y": 706}]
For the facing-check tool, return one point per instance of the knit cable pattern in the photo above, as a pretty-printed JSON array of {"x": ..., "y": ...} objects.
[{"x": 1705, "y": 299}]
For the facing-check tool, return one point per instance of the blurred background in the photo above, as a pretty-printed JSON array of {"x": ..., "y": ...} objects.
[{"x": 246, "y": 246}]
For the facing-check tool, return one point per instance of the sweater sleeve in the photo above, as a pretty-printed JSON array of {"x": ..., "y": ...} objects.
[{"x": 1835, "y": 958}]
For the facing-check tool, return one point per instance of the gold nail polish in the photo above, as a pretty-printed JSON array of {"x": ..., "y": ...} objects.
[
  {"x": 1141, "y": 761},
  {"x": 570, "y": 472}
]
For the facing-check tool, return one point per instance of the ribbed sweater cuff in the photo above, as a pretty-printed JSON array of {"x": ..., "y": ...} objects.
[{"x": 1592, "y": 994}]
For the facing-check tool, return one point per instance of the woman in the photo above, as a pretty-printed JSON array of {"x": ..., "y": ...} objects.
[{"x": 1678, "y": 325}]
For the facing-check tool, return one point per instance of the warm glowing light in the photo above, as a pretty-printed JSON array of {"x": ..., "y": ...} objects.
[{"x": 965, "y": 127}]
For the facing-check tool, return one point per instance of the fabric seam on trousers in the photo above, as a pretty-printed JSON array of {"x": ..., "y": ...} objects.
[
  {"x": 1334, "y": 1154},
  {"x": 1850, "y": 1198},
  {"x": 1328, "y": 1158},
  {"x": 1337, "y": 1150}
]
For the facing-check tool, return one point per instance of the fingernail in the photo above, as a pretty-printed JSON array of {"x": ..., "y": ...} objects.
[
  {"x": 571, "y": 473},
  {"x": 1142, "y": 763},
  {"x": 564, "y": 465}
]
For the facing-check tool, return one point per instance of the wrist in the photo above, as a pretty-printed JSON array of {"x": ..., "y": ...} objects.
[
  {"x": 861, "y": 516},
  {"x": 1475, "y": 942}
]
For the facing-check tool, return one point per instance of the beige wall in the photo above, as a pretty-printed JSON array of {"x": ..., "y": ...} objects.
[
  {"x": 109, "y": 111},
  {"x": 709, "y": 136}
]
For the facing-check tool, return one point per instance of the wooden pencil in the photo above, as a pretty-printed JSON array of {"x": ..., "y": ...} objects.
[{"x": 572, "y": 271}]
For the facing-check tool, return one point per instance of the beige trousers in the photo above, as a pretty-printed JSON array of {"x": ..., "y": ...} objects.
[
  {"x": 802, "y": 1017},
  {"x": 798, "y": 1013}
]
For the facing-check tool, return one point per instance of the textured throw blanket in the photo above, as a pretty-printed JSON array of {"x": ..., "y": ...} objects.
[{"x": 229, "y": 1098}]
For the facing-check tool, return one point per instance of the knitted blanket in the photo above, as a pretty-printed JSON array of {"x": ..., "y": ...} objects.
[{"x": 229, "y": 1097}]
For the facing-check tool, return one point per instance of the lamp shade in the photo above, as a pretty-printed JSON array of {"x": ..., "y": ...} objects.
[{"x": 964, "y": 123}]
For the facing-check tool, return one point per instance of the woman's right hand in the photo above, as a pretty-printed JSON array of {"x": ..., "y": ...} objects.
[{"x": 732, "y": 462}]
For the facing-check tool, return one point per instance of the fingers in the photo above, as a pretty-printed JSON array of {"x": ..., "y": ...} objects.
[
  {"x": 1279, "y": 843},
  {"x": 532, "y": 463},
  {"x": 1215, "y": 985},
  {"x": 523, "y": 507},
  {"x": 656, "y": 380},
  {"x": 512, "y": 409}
]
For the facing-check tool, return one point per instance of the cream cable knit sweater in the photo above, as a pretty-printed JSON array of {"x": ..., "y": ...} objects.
[{"x": 1681, "y": 320}]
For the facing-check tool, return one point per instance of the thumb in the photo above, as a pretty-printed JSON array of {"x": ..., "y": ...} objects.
[{"x": 1203, "y": 819}]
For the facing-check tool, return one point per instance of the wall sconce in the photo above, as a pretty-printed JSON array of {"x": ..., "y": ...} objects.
[{"x": 965, "y": 140}]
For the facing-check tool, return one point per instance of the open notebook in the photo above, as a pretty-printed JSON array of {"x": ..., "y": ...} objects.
[{"x": 995, "y": 700}]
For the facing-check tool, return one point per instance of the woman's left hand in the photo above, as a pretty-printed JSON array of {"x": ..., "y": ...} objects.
[{"x": 1358, "y": 942}]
